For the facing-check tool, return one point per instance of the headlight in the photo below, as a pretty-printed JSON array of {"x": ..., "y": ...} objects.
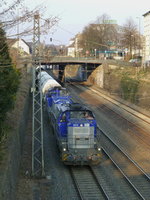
[
  {"x": 99, "y": 149},
  {"x": 64, "y": 149}
]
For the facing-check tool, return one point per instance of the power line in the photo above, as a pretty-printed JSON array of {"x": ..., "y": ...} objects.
[{"x": 66, "y": 30}]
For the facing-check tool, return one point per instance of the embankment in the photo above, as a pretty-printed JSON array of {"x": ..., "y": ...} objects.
[{"x": 12, "y": 148}]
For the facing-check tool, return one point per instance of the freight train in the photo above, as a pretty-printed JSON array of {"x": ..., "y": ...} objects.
[{"x": 73, "y": 124}]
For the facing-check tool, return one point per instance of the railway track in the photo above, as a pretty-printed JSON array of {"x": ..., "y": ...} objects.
[
  {"x": 132, "y": 127},
  {"x": 137, "y": 178},
  {"x": 87, "y": 184},
  {"x": 137, "y": 127},
  {"x": 145, "y": 117},
  {"x": 117, "y": 104}
]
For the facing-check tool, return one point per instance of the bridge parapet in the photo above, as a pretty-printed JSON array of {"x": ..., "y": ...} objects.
[
  {"x": 82, "y": 60},
  {"x": 76, "y": 60},
  {"x": 71, "y": 60}
]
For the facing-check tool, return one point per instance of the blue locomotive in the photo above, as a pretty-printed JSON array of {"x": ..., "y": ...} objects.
[{"x": 74, "y": 125}]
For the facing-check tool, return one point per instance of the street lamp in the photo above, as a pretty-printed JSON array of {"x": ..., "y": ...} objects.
[
  {"x": 95, "y": 54},
  {"x": 139, "y": 33},
  {"x": 131, "y": 45}
]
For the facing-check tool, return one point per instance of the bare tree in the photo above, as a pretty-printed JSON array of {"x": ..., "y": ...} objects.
[
  {"x": 16, "y": 14},
  {"x": 101, "y": 34},
  {"x": 130, "y": 35}
]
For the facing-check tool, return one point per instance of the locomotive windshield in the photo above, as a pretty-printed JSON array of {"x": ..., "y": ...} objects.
[{"x": 81, "y": 114}]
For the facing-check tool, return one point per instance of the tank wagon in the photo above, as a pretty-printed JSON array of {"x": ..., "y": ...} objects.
[
  {"x": 73, "y": 124},
  {"x": 47, "y": 82}
]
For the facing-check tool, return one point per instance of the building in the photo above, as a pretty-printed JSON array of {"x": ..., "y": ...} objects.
[
  {"x": 71, "y": 48},
  {"x": 74, "y": 47},
  {"x": 20, "y": 45},
  {"x": 146, "y": 51}
]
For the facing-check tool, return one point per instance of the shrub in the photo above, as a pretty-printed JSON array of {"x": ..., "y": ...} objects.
[
  {"x": 9, "y": 81},
  {"x": 129, "y": 87}
]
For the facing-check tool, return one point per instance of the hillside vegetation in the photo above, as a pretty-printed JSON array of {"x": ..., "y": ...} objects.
[{"x": 9, "y": 81}]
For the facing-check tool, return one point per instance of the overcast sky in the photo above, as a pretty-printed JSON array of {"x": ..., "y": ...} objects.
[{"x": 76, "y": 14}]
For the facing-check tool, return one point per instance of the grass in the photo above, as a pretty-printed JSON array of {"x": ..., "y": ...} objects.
[
  {"x": 129, "y": 87},
  {"x": 4, "y": 132}
]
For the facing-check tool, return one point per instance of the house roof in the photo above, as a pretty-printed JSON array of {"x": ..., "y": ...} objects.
[
  {"x": 25, "y": 42},
  {"x": 146, "y": 13},
  {"x": 30, "y": 44},
  {"x": 71, "y": 45},
  {"x": 11, "y": 41}
]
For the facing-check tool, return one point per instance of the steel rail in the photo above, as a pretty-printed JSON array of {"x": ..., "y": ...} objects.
[
  {"x": 98, "y": 182},
  {"x": 129, "y": 159},
  {"x": 90, "y": 179},
  {"x": 76, "y": 185}
]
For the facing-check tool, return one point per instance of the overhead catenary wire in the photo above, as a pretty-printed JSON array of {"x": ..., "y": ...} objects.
[{"x": 27, "y": 16}]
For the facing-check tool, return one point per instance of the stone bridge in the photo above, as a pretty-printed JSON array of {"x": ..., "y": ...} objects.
[{"x": 86, "y": 66}]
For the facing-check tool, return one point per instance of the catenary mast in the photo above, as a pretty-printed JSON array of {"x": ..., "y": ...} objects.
[{"x": 37, "y": 115}]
